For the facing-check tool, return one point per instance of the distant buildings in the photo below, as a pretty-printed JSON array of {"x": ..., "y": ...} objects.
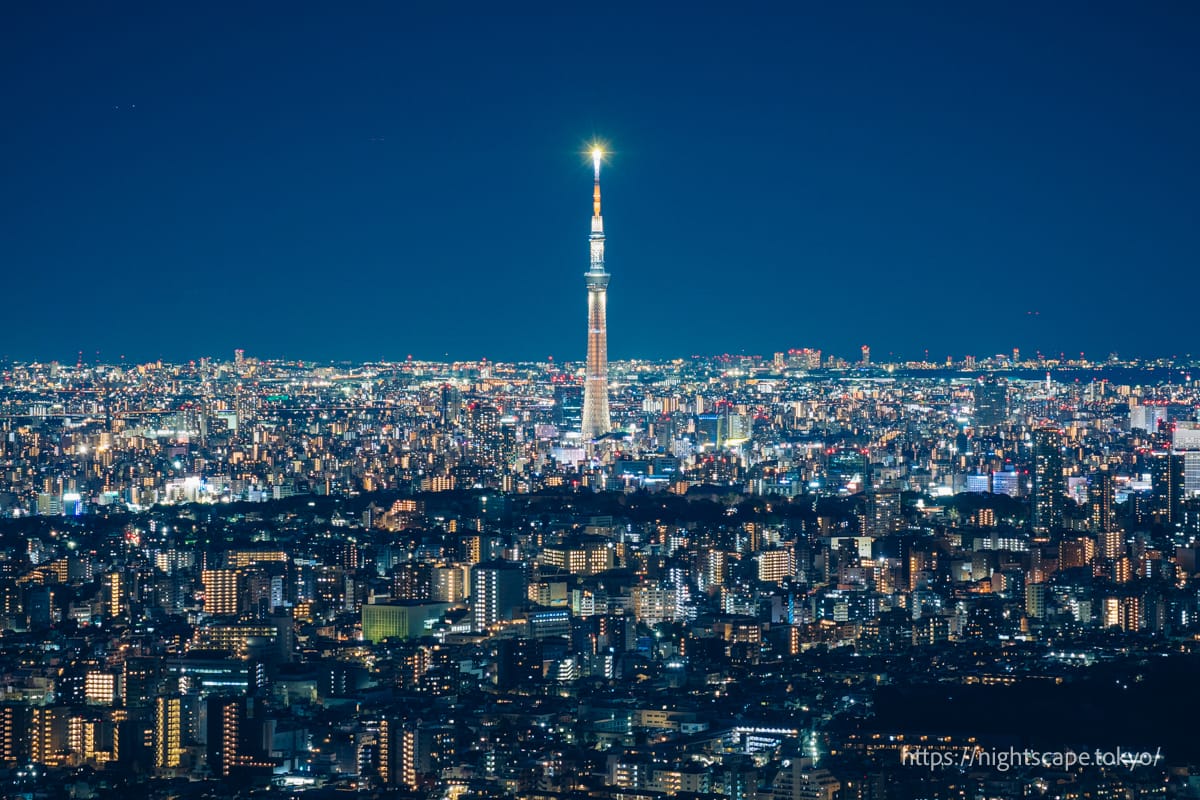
[{"x": 415, "y": 578}]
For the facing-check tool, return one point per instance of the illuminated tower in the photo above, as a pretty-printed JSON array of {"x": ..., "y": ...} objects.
[{"x": 595, "y": 387}]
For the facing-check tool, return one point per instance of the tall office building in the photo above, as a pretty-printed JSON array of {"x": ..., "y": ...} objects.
[
  {"x": 595, "y": 388},
  {"x": 1048, "y": 497}
]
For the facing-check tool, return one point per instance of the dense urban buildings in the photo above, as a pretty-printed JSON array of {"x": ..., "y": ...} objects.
[
  {"x": 774, "y": 577},
  {"x": 828, "y": 524}
]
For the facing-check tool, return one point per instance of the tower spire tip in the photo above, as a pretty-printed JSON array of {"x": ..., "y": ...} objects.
[{"x": 597, "y": 155}]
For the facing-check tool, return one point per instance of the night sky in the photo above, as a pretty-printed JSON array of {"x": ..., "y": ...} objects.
[{"x": 357, "y": 181}]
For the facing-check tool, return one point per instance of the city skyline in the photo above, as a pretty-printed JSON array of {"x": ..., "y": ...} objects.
[
  {"x": 775, "y": 189},
  {"x": 246, "y": 567},
  {"x": 968, "y": 362},
  {"x": 322, "y": 475}
]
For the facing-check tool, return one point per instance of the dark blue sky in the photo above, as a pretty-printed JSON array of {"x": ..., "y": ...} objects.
[{"x": 182, "y": 179}]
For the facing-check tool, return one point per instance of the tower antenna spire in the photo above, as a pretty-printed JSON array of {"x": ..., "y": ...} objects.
[{"x": 597, "y": 154}]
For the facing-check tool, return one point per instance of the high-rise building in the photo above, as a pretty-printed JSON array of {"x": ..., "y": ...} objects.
[
  {"x": 202, "y": 672},
  {"x": 1146, "y": 418},
  {"x": 100, "y": 687},
  {"x": 225, "y": 717},
  {"x": 234, "y": 737},
  {"x": 776, "y": 565},
  {"x": 1185, "y": 441},
  {"x": 568, "y": 406},
  {"x": 991, "y": 402},
  {"x": 49, "y": 734},
  {"x": 14, "y": 733},
  {"x": 1102, "y": 500},
  {"x": 884, "y": 509},
  {"x": 1185, "y": 435},
  {"x": 497, "y": 592},
  {"x": 595, "y": 388},
  {"x": 398, "y": 754},
  {"x": 116, "y": 593},
  {"x": 1167, "y": 477},
  {"x": 450, "y": 406},
  {"x": 710, "y": 430},
  {"x": 580, "y": 558},
  {"x": 1111, "y": 543},
  {"x": 1035, "y": 600},
  {"x": 1048, "y": 498},
  {"x": 168, "y": 732},
  {"x": 220, "y": 591},
  {"x": 799, "y": 779},
  {"x": 448, "y": 584},
  {"x": 412, "y": 581},
  {"x": 384, "y": 750},
  {"x": 485, "y": 435},
  {"x": 240, "y": 559},
  {"x": 713, "y": 571}
]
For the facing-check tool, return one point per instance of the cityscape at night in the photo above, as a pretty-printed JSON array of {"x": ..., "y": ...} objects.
[{"x": 925, "y": 527}]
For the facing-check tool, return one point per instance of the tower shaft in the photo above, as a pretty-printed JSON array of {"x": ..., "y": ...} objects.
[{"x": 595, "y": 388}]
